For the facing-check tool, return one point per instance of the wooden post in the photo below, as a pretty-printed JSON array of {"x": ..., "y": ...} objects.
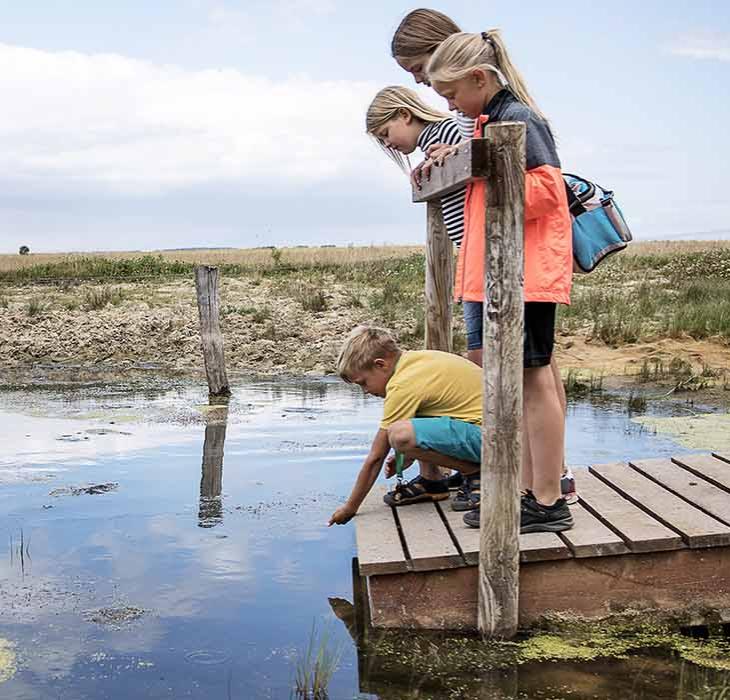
[
  {"x": 500, "y": 158},
  {"x": 439, "y": 280},
  {"x": 206, "y": 285},
  {"x": 499, "y": 553}
]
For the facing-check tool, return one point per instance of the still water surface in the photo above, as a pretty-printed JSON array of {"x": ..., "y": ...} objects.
[{"x": 188, "y": 579}]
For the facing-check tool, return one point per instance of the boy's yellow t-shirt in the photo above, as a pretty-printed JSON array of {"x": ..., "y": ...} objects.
[{"x": 429, "y": 384}]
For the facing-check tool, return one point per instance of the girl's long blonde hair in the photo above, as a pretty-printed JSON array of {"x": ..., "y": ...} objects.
[
  {"x": 463, "y": 52},
  {"x": 387, "y": 105},
  {"x": 420, "y": 32}
]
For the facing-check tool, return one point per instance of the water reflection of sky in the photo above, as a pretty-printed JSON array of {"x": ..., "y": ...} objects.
[{"x": 228, "y": 600}]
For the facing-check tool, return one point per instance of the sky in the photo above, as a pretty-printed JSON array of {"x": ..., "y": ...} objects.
[{"x": 144, "y": 125}]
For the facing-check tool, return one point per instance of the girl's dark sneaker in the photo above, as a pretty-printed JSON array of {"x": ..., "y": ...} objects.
[
  {"x": 416, "y": 491},
  {"x": 471, "y": 519},
  {"x": 535, "y": 517},
  {"x": 468, "y": 495}
]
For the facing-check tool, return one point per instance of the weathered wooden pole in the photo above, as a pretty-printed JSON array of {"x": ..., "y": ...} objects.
[
  {"x": 439, "y": 280},
  {"x": 500, "y": 158},
  {"x": 499, "y": 551},
  {"x": 206, "y": 286}
]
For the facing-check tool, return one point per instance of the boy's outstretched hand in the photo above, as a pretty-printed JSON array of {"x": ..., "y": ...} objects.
[{"x": 341, "y": 516}]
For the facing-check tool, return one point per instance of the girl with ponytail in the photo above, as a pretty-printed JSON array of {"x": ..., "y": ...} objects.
[{"x": 475, "y": 74}]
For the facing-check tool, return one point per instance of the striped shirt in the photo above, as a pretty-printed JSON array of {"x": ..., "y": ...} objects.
[
  {"x": 466, "y": 125},
  {"x": 452, "y": 204}
]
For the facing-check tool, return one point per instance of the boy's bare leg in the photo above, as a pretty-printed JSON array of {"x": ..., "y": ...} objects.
[
  {"x": 545, "y": 431},
  {"x": 403, "y": 439},
  {"x": 428, "y": 469},
  {"x": 475, "y": 356}
]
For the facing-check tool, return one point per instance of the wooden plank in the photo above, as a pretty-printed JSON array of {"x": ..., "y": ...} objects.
[
  {"x": 589, "y": 537},
  {"x": 688, "y": 486},
  {"x": 542, "y": 546},
  {"x": 379, "y": 548},
  {"x": 696, "y": 528},
  {"x": 428, "y": 540},
  {"x": 640, "y": 531},
  {"x": 710, "y": 467},
  {"x": 468, "y": 164},
  {"x": 499, "y": 553},
  {"x": 684, "y": 583},
  {"x": 467, "y": 537},
  {"x": 439, "y": 281}
]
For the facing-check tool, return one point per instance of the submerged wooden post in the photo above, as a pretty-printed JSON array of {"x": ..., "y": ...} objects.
[
  {"x": 499, "y": 551},
  {"x": 439, "y": 280},
  {"x": 206, "y": 286}
]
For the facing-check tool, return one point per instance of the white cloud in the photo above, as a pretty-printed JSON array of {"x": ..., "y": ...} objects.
[
  {"x": 705, "y": 46},
  {"x": 78, "y": 121}
]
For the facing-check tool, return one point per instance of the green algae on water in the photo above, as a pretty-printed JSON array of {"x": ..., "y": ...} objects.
[
  {"x": 564, "y": 641},
  {"x": 702, "y": 432},
  {"x": 8, "y": 661}
]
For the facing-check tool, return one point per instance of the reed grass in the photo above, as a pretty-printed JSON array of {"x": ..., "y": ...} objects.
[
  {"x": 316, "y": 666},
  {"x": 95, "y": 299}
]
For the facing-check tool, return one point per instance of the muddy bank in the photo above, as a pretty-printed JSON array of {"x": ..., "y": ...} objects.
[{"x": 270, "y": 327}]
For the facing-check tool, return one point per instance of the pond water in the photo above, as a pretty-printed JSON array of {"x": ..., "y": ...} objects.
[{"x": 181, "y": 576}]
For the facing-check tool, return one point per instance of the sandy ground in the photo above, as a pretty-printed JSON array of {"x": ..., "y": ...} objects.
[{"x": 156, "y": 326}]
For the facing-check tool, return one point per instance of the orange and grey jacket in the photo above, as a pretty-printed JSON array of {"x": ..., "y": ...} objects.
[{"x": 548, "y": 237}]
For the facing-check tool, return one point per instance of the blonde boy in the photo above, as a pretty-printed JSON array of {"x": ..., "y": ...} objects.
[{"x": 432, "y": 412}]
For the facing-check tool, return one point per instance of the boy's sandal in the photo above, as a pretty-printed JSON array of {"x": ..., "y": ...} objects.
[{"x": 416, "y": 491}]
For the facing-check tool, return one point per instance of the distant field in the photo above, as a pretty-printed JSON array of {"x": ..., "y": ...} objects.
[
  {"x": 253, "y": 258},
  {"x": 241, "y": 257}
]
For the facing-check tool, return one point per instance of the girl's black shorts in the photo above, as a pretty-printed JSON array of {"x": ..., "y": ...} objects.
[
  {"x": 539, "y": 333},
  {"x": 539, "y": 330}
]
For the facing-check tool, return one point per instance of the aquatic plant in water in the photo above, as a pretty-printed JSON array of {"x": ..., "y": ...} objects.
[{"x": 316, "y": 666}]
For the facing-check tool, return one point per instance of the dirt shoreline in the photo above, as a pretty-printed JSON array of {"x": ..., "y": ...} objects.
[{"x": 154, "y": 328}]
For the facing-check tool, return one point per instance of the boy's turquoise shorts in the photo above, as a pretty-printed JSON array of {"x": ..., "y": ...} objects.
[{"x": 449, "y": 436}]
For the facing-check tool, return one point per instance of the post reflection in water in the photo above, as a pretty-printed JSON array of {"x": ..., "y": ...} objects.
[{"x": 210, "y": 513}]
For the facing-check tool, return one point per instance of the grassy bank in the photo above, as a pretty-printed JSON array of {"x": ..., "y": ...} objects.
[
  {"x": 646, "y": 295},
  {"x": 653, "y": 290},
  {"x": 286, "y": 310}
]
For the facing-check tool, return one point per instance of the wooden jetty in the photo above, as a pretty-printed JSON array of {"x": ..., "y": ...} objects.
[{"x": 649, "y": 535}]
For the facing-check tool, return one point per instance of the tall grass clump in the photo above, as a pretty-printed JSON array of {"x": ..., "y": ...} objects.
[
  {"x": 316, "y": 666},
  {"x": 34, "y": 307},
  {"x": 576, "y": 386},
  {"x": 312, "y": 298},
  {"x": 95, "y": 299}
]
